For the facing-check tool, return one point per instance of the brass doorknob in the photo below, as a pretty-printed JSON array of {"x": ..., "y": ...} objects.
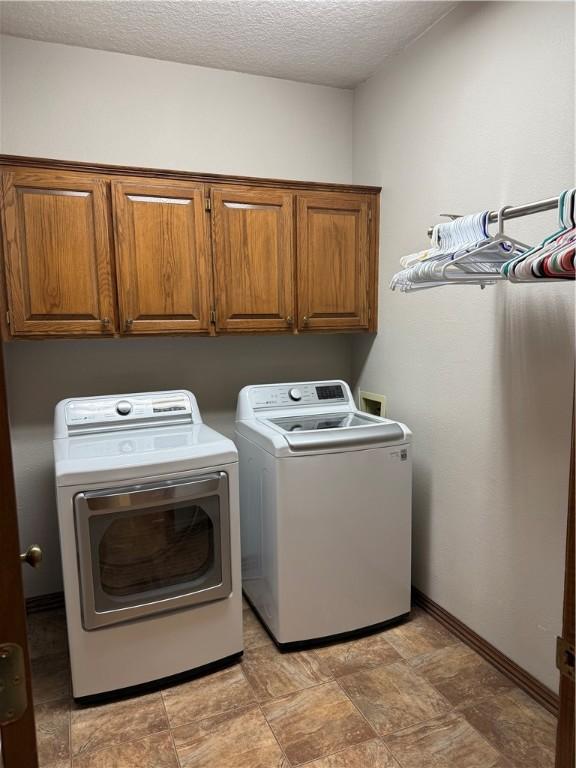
[{"x": 32, "y": 556}]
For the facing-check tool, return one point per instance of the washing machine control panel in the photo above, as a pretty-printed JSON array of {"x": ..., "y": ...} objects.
[{"x": 281, "y": 395}]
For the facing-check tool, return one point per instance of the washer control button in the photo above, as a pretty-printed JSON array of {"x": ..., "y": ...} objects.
[
  {"x": 123, "y": 407},
  {"x": 295, "y": 394}
]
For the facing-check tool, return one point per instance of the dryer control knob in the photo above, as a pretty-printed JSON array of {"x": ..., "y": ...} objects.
[
  {"x": 295, "y": 394},
  {"x": 123, "y": 408}
]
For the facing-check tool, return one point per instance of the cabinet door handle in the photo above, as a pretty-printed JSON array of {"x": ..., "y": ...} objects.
[
  {"x": 129, "y": 323},
  {"x": 106, "y": 321},
  {"x": 305, "y": 320},
  {"x": 290, "y": 320}
]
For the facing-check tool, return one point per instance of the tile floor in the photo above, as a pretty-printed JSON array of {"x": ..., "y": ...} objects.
[{"x": 412, "y": 696}]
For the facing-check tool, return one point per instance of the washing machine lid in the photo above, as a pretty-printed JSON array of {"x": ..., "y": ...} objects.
[
  {"x": 290, "y": 419},
  {"x": 316, "y": 421},
  {"x": 137, "y": 454},
  {"x": 326, "y": 431}
]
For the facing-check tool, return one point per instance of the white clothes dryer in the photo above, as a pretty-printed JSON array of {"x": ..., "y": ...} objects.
[
  {"x": 149, "y": 531},
  {"x": 325, "y": 507}
]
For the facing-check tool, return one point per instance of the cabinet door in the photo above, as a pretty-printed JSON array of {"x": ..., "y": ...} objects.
[
  {"x": 162, "y": 257},
  {"x": 252, "y": 236},
  {"x": 333, "y": 261},
  {"x": 57, "y": 253}
]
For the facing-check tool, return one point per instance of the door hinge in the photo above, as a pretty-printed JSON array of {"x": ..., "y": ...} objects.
[
  {"x": 369, "y": 313},
  {"x": 7, "y": 317},
  {"x": 369, "y": 214},
  {"x": 213, "y": 316},
  {"x": 208, "y": 204},
  {"x": 13, "y": 698},
  {"x": 565, "y": 657}
]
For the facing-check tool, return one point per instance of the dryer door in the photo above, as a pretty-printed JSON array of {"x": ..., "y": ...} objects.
[{"x": 151, "y": 548}]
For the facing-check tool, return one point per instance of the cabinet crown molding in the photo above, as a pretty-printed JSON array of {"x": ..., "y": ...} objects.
[{"x": 106, "y": 170}]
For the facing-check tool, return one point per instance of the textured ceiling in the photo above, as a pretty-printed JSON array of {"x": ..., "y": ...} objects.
[{"x": 333, "y": 42}]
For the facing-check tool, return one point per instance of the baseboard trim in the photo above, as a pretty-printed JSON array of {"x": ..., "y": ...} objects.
[
  {"x": 523, "y": 679},
  {"x": 45, "y": 602}
]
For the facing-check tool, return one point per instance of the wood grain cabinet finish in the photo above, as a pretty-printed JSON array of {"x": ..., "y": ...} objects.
[
  {"x": 92, "y": 250},
  {"x": 162, "y": 257},
  {"x": 253, "y": 251},
  {"x": 57, "y": 253},
  {"x": 334, "y": 265}
]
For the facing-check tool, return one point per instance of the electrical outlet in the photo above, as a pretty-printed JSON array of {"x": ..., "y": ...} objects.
[{"x": 372, "y": 403}]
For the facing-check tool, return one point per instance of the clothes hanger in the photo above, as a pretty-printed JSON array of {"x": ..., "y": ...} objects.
[
  {"x": 508, "y": 269},
  {"x": 447, "y": 241},
  {"x": 488, "y": 256},
  {"x": 543, "y": 261},
  {"x": 560, "y": 263},
  {"x": 462, "y": 252},
  {"x": 454, "y": 242},
  {"x": 520, "y": 270}
]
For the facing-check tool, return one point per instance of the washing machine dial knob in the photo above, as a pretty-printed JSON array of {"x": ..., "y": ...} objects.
[
  {"x": 295, "y": 394},
  {"x": 123, "y": 408}
]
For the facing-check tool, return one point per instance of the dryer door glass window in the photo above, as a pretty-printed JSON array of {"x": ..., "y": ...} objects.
[
  {"x": 154, "y": 553},
  {"x": 152, "y": 548}
]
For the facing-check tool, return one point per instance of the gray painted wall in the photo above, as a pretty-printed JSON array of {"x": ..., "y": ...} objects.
[
  {"x": 78, "y": 104},
  {"x": 465, "y": 119}
]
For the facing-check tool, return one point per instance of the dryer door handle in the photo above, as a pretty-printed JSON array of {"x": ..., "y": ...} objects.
[{"x": 154, "y": 495}]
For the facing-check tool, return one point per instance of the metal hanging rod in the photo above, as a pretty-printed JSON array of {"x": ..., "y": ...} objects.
[{"x": 519, "y": 210}]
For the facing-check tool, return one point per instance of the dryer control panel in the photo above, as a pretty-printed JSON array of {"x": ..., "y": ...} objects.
[
  {"x": 299, "y": 394},
  {"x": 116, "y": 412}
]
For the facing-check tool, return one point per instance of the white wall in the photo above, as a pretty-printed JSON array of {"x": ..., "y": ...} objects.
[
  {"x": 478, "y": 113},
  {"x": 470, "y": 116},
  {"x": 77, "y": 104}
]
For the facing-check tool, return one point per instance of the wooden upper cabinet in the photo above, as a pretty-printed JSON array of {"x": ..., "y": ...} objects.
[
  {"x": 57, "y": 253},
  {"x": 334, "y": 263},
  {"x": 253, "y": 251},
  {"x": 101, "y": 250},
  {"x": 162, "y": 256}
]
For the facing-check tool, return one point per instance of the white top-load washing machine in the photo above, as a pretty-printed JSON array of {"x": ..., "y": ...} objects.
[
  {"x": 325, "y": 508},
  {"x": 149, "y": 531}
]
